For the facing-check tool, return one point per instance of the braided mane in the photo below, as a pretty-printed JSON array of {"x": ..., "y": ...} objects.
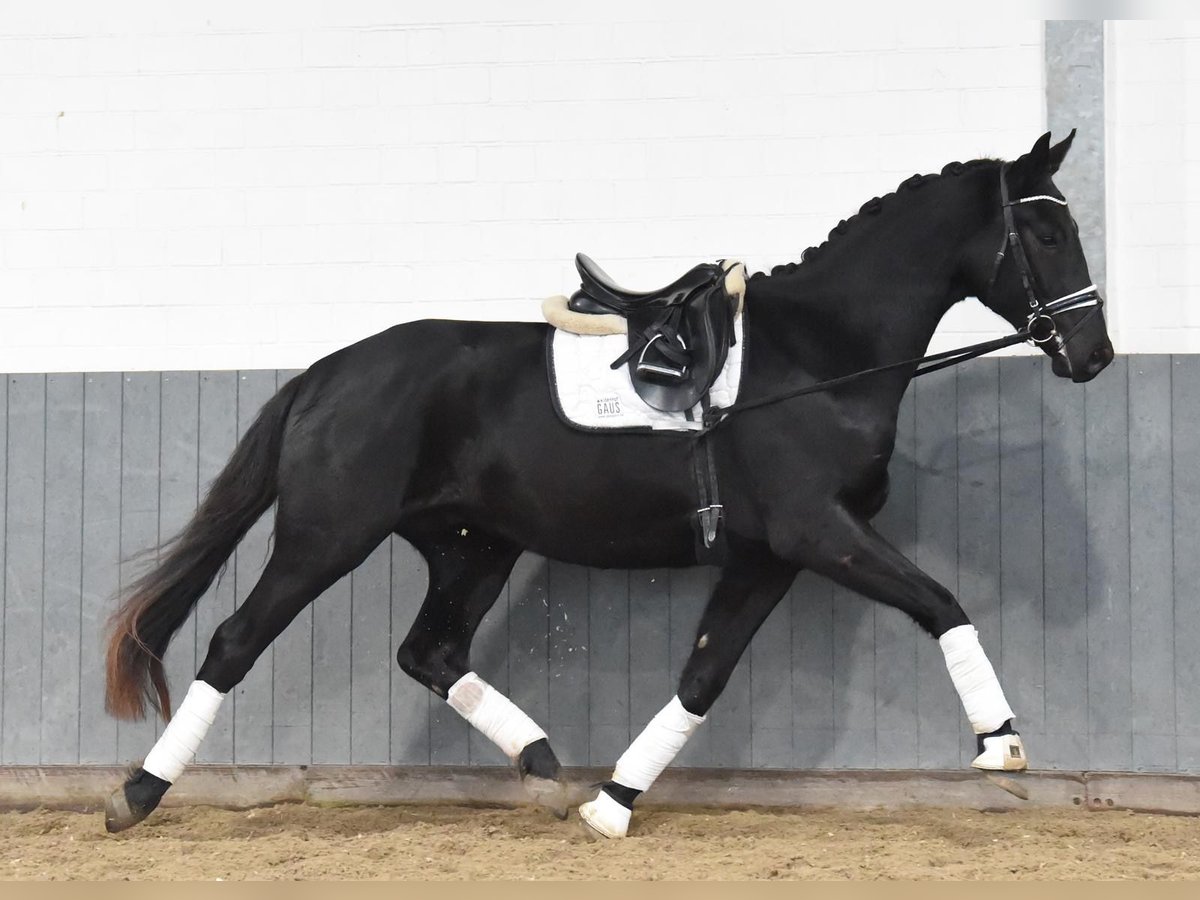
[{"x": 872, "y": 208}]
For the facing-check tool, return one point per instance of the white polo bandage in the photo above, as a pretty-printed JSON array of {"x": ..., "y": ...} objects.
[
  {"x": 497, "y": 717},
  {"x": 181, "y": 738},
  {"x": 974, "y": 679},
  {"x": 658, "y": 744}
]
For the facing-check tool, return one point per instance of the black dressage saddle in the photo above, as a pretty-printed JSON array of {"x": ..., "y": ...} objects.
[{"x": 679, "y": 335}]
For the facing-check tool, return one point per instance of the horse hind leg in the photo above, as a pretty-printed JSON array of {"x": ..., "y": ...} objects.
[
  {"x": 295, "y": 575},
  {"x": 467, "y": 570}
]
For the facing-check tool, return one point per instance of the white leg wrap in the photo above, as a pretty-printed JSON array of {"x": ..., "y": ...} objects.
[
  {"x": 650, "y": 753},
  {"x": 181, "y": 738},
  {"x": 974, "y": 679},
  {"x": 497, "y": 717},
  {"x": 658, "y": 744}
]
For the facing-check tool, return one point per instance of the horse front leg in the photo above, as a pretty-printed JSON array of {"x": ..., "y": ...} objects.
[
  {"x": 852, "y": 553},
  {"x": 745, "y": 594}
]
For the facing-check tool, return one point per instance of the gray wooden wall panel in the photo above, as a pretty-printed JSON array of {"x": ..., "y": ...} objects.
[
  {"x": 1185, "y": 474},
  {"x": 218, "y": 436},
  {"x": 409, "y": 701},
  {"x": 1151, "y": 587},
  {"x": 254, "y": 697},
  {"x": 20, "y": 730},
  {"x": 1062, "y": 515},
  {"x": 140, "y": 431},
  {"x": 62, "y": 569},
  {"x": 1107, "y": 461},
  {"x": 1064, "y": 567},
  {"x": 101, "y": 554},
  {"x": 896, "y": 638},
  {"x": 291, "y": 694},
  {"x": 936, "y": 404},
  {"x": 3, "y": 540},
  {"x": 1022, "y": 665},
  {"x": 179, "y": 449}
]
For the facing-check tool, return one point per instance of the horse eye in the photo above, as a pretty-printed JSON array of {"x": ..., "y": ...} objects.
[{"x": 1048, "y": 240}]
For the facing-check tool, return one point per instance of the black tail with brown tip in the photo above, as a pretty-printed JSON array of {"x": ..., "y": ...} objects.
[{"x": 155, "y": 606}]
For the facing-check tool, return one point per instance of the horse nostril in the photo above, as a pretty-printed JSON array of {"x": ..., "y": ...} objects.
[{"x": 1100, "y": 358}]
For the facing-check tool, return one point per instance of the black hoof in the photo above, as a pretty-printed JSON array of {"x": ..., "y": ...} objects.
[
  {"x": 541, "y": 775},
  {"x": 134, "y": 800}
]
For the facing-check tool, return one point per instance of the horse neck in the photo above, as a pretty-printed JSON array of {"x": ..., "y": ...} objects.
[{"x": 875, "y": 294}]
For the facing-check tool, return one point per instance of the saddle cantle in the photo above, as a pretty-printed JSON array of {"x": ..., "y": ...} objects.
[{"x": 678, "y": 335}]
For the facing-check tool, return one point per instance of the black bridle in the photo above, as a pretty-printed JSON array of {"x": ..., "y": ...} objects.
[{"x": 1040, "y": 327}]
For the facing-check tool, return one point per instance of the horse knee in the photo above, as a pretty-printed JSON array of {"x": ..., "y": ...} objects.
[{"x": 698, "y": 691}]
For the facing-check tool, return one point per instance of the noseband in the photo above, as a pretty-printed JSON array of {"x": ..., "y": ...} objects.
[{"x": 1041, "y": 325}]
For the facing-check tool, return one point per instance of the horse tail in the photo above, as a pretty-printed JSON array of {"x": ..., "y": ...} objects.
[{"x": 155, "y": 606}]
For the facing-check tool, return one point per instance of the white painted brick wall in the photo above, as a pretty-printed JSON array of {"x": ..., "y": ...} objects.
[
  {"x": 253, "y": 185},
  {"x": 1154, "y": 185}
]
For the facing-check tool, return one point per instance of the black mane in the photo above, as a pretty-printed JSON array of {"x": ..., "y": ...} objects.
[{"x": 872, "y": 208}]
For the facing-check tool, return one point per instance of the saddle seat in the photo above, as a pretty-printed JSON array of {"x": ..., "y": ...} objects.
[
  {"x": 678, "y": 335},
  {"x": 599, "y": 293}
]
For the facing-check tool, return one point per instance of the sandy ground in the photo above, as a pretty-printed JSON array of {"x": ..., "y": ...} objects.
[{"x": 447, "y": 842}]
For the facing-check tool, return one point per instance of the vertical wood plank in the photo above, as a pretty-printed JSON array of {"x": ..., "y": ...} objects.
[
  {"x": 1065, "y": 562},
  {"x": 255, "y": 694},
  {"x": 291, "y": 723},
  {"x": 568, "y": 649},
  {"x": 651, "y": 677},
  {"x": 896, "y": 636},
  {"x": 331, "y": 675},
  {"x": 371, "y": 651},
  {"x": 528, "y": 641},
  {"x": 179, "y": 474},
  {"x": 62, "y": 570},
  {"x": 20, "y": 731},
  {"x": 101, "y": 555},
  {"x": 1185, "y": 443},
  {"x": 1151, "y": 583},
  {"x": 1022, "y": 665},
  {"x": 853, "y": 679},
  {"x": 979, "y": 512},
  {"x": 410, "y": 701},
  {"x": 939, "y": 712},
  {"x": 489, "y": 657},
  {"x": 689, "y": 592},
  {"x": 216, "y": 439},
  {"x": 3, "y": 534},
  {"x": 140, "y": 430},
  {"x": 1110, "y": 710},
  {"x": 814, "y": 736},
  {"x": 608, "y": 666},
  {"x": 771, "y": 690}
]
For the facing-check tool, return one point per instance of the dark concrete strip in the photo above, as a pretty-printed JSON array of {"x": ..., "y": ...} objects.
[{"x": 85, "y": 787}]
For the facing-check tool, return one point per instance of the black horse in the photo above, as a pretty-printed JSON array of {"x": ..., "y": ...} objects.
[{"x": 444, "y": 433}]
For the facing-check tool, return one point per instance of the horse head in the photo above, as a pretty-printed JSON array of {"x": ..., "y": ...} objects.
[{"x": 1039, "y": 277}]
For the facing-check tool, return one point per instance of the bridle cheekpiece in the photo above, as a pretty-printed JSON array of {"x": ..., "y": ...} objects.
[{"x": 1040, "y": 325}]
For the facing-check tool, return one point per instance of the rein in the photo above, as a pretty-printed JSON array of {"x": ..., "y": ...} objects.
[{"x": 1040, "y": 328}]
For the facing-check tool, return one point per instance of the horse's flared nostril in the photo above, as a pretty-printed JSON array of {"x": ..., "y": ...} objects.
[{"x": 1100, "y": 358}]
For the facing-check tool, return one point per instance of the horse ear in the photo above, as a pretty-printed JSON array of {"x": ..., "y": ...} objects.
[
  {"x": 1035, "y": 164},
  {"x": 1059, "y": 151}
]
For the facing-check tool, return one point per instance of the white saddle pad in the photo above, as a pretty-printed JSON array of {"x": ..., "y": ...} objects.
[{"x": 594, "y": 397}]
